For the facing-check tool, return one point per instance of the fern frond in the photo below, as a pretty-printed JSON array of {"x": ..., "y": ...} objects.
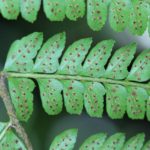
[
  {"x": 122, "y": 14},
  {"x": 80, "y": 76}
]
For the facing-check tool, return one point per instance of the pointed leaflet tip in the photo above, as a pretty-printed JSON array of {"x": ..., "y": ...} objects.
[
  {"x": 118, "y": 64},
  {"x": 135, "y": 142},
  {"x": 114, "y": 142},
  {"x": 94, "y": 142},
  {"x": 140, "y": 70},
  {"x": 51, "y": 51},
  {"x": 74, "y": 56},
  {"x": 97, "y": 58},
  {"x": 21, "y": 53},
  {"x": 65, "y": 140}
]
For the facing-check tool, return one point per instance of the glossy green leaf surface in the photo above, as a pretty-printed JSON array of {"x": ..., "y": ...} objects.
[
  {"x": 136, "y": 102},
  {"x": 94, "y": 142},
  {"x": 29, "y": 9},
  {"x": 118, "y": 14},
  {"x": 116, "y": 99},
  {"x": 96, "y": 14},
  {"x": 138, "y": 17},
  {"x": 9, "y": 9},
  {"x": 140, "y": 70},
  {"x": 22, "y": 98},
  {"x": 75, "y": 9},
  {"x": 65, "y": 140},
  {"x": 135, "y": 142},
  {"x": 74, "y": 55},
  {"x": 114, "y": 142},
  {"x": 22, "y": 52},
  {"x": 50, "y": 91},
  {"x": 54, "y": 9},
  {"x": 93, "y": 99},
  {"x": 117, "y": 67},
  {"x": 97, "y": 58},
  {"x": 47, "y": 58},
  {"x": 73, "y": 96}
]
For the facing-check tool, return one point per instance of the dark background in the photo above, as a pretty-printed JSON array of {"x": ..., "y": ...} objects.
[{"x": 42, "y": 128}]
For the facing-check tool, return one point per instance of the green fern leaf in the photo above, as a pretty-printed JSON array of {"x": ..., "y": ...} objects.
[
  {"x": 11, "y": 142},
  {"x": 47, "y": 59},
  {"x": 116, "y": 100},
  {"x": 73, "y": 96},
  {"x": 138, "y": 17},
  {"x": 66, "y": 140},
  {"x": 93, "y": 98},
  {"x": 22, "y": 52},
  {"x": 96, "y": 14},
  {"x": 94, "y": 142},
  {"x": 119, "y": 12},
  {"x": 75, "y": 9},
  {"x": 50, "y": 90},
  {"x": 136, "y": 102},
  {"x": 78, "y": 77},
  {"x": 22, "y": 98},
  {"x": 140, "y": 70},
  {"x": 29, "y": 9},
  {"x": 117, "y": 68},
  {"x": 135, "y": 142},
  {"x": 54, "y": 9},
  {"x": 97, "y": 58},
  {"x": 146, "y": 146},
  {"x": 9, "y": 9},
  {"x": 114, "y": 142},
  {"x": 73, "y": 57}
]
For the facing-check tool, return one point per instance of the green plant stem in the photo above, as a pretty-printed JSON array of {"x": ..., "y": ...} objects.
[
  {"x": 11, "y": 113},
  {"x": 79, "y": 78},
  {"x": 5, "y": 130}
]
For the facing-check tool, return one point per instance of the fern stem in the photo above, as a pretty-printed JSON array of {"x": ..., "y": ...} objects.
[
  {"x": 79, "y": 78},
  {"x": 11, "y": 113},
  {"x": 5, "y": 130}
]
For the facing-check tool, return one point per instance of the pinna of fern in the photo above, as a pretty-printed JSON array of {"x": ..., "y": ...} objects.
[
  {"x": 122, "y": 14},
  {"x": 78, "y": 77},
  {"x": 68, "y": 138}
]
